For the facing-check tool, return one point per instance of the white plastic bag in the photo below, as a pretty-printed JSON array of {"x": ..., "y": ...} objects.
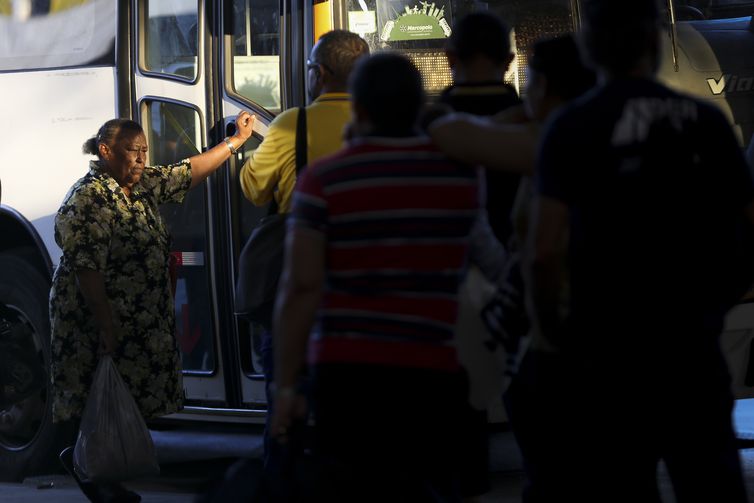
[
  {"x": 484, "y": 362},
  {"x": 114, "y": 442}
]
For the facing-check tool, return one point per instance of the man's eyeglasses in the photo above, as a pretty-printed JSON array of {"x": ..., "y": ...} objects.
[{"x": 316, "y": 64}]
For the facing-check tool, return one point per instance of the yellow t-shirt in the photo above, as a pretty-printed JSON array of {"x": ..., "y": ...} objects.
[{"x": 273, "y": 163}]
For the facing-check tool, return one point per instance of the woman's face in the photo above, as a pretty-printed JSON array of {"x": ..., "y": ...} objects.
[{"x": 126, "y": 157}]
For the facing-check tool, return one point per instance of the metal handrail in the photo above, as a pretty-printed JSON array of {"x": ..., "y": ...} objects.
[{"x": 673, "y": 35}]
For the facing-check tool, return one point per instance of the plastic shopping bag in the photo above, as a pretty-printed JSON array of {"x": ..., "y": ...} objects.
[
  {"x": 481, "y": 356},
  {"x": 114, "y": 442}
]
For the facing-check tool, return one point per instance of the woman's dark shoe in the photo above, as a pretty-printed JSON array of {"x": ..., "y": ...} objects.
[{"x": 97, "y": 492}]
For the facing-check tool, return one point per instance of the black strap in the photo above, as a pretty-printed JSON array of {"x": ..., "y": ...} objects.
[
  {"x": 301, "y": 150},
  {"x": 301, "y": 153}
]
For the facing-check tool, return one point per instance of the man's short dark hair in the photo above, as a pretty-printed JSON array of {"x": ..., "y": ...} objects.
[
  {"x": 339, "y": 50},
  {"x": 558, "y": 59},
  {"x": 616, "y": 35},
  {"x": 481, "y": 34},
  {"x": 389, "y": 88}
]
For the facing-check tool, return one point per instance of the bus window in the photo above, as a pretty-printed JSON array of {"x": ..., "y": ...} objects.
[
  {"x": 172, "y": 38},
  {"x": 77, "y": 33},
  {"x": 174, "y": 133},
  {"x": 420, "y": 29},
  {"x": 724, "y": 9},
  {"x": 256, "y": 52}
]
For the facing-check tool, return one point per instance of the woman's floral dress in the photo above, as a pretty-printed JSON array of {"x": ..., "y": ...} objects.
[{"x": 125, "y": 239}]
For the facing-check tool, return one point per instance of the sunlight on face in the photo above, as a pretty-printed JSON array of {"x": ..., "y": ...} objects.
[{"x": 128, "y": 158}]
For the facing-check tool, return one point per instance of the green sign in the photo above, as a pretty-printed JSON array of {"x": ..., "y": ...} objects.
[{"x": 422, "y": 21}]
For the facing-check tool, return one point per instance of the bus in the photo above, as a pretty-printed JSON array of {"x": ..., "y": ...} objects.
[{"x": 184, "y": 69}]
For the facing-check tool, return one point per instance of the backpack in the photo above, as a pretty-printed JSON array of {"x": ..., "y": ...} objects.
[{"x": 261, "y": 260}]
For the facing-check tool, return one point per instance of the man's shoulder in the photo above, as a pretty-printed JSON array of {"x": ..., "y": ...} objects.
[
  {"x": 285, "y": 119},
  {"x": 480, "y": 89},
  {"x": 377, "y": 150},
  {"x": 480, "y": 98},
  {"x": 384, "y": 147},
  {"x": 332, "y": 106}
]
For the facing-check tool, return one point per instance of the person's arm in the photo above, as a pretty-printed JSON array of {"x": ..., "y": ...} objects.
[
  {"x": 516, "y": 114},
  {"x": 295, "y": 309},
  {"x": 204, "y": 164},
  {"x": 545, "y": 264},
  {"x": 264, "y": 168},
  {"x": 83, "y": 231},
  {"x": 504, "y": 147},
  {"x": 91, "y": 284}
]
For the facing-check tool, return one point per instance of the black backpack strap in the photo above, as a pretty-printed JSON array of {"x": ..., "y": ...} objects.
[
  {"x": 301, "y": 150},
  {"x": 301, "y": 143}
]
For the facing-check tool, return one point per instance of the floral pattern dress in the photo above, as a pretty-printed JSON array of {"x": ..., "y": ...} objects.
[{"x": 98, "y": 227}]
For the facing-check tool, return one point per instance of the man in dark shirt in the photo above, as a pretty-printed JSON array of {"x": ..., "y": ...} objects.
[
  {"x": 650, "y": 193},
  {"x": 479, "y": 54}
]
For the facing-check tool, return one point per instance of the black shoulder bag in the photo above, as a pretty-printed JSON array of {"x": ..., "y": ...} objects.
[{"x": 261, "y": 260}]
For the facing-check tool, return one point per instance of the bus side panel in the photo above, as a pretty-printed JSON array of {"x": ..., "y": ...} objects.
[{"x": 47, "y": 116}]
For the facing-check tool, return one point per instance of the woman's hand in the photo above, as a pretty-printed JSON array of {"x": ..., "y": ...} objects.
[
  {"x": 204, "y": 164},
  {"x": 108, "y": 343},
  {"x": 244, "y": 125}
]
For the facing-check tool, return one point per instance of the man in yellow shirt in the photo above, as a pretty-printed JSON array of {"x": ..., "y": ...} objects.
[{"x": 271, "y": 169}]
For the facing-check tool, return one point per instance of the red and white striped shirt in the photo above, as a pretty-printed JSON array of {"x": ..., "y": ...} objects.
[{"x": 396, "y": 215}]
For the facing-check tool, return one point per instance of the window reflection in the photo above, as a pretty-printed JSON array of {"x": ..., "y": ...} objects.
[
  {"x": 172, "y": 37},
  {"x": 76, "y": 33},
  {"x": 697, "y": 10},
  {"x": 256, "y": 52},
  {"x": 174, "y": 133}
]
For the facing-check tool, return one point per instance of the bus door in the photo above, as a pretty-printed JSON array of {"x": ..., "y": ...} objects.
[
  {"x": 261, "y": 48},
  {"x": 171, "y": 85}
]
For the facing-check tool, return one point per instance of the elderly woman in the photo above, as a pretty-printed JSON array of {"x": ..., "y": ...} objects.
[{"x": 111, "y": 292}]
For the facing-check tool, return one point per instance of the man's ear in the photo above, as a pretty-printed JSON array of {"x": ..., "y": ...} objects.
[{"x": 324, "y": 77}]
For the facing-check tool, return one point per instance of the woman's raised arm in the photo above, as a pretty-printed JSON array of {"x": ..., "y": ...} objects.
[{"x": 204, "y": 164}]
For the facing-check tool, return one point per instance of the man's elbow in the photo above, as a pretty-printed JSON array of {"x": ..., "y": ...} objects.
[
  {"x": 305, "y": 288},
  {"x": 252, "y": 193},
  {"x": 297, "y": 284}
]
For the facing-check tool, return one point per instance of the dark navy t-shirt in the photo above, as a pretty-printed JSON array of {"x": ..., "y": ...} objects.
[
  {"x": 487, "y": 99},
  {"x": 656, "y": 185}
]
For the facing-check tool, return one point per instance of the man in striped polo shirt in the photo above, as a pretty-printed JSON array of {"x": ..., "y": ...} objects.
[
  {"x": 270, "y": 171},
  {"x": 375, "y": 253}
]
